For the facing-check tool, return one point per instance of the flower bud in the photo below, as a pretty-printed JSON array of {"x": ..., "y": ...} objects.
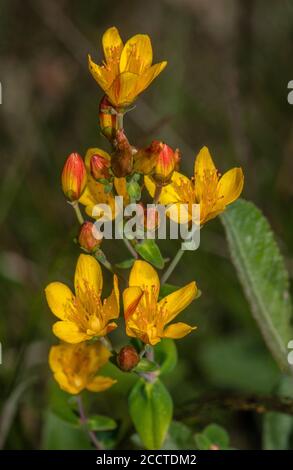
[
  {"x": 150, "y": 219},
  {"x": 73, "y": 177},
  {"x": 166, "y": 162},
  {"x": 108, "y": 119},
  {"x": 89, "y": 238},
  {"x": 100, "y": 166},
  {"x": 128, "y": 358},
  {"x": 122, "y": 158}
]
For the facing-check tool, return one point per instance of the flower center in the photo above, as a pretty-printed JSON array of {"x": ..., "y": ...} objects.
[{"x": 86, "y": 310}]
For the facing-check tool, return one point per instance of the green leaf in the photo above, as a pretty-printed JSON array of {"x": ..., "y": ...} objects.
[
  {"x": 150, "y": 251},
  {"x": 166, "y": 355},
  {"x": 145, "y": 365},
  {"x": 126, "y": 264},
  {"x": 101, "y": 423},
  {"x": 262, "y": 273},
  {"x": 202, "y": 441},
  {"x": 212, "y": 436},
  {"x": 217, "y": 435},
  {"x": 151, "y": 408},
  {"x": 60, "y": 435},
  {"x": 179, "y": 437},
  {"x": 134, "y": 191},
  {"x": 62, "y": 405}
]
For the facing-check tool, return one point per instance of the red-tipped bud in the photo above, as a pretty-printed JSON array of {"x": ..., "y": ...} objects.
[
  {"x": 100, "y": 166},
  {"x": 73, "y": 177},
  {"x": 89, "y": 238},
  {"x": 122, "y": 158},
  {"x": 108, "y": 119},
  {"x": 128, "y": 358},
  {"x": 166, "y": 162}
]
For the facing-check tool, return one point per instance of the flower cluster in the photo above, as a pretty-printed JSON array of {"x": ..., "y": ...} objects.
[{"x": 85, "y": 316}]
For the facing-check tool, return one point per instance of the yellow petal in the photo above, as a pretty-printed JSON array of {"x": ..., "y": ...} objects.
[
  {"x": 230, "y": 186},
  {"x": 122, "y": 92},
  {"x": 131, "y": 299},
  {"x": 58, "y": 296},
  {"x": 101, "y": 354},
  {"x": 87, "y": 198},
  {"x": 88, "y": 275},
  {"x": 143, "y": 275},
  {"x": 93, "y": 196},
  {"x": 178, "y": 330},
  {"x": 179, "y": 212},
  {"x": 111, "y": 304},
  {"x": 103, "y": 77},
  {"x": 171, "y": 193},
  {"x": 179, "y": 300},
  {"x": 55, "y": 356},
  {"x": 66, "y": 385},
  {"x": 149, "y": 75},
  {"x": 120, "y": 185},
  {"x": 137, "y": 54},
  {"x": 69, "y": 332},
  {"x": 100, "y": 383},
  {"x": 112, "y": 44},
  {"x": 203, "y": 163}
]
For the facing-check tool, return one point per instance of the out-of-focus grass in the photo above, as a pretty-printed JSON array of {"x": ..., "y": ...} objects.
[{"x": 226, "y": 87}]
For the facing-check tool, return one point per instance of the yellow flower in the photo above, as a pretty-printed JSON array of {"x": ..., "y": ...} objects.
[
  {"x": 75, "y": 367},
  {"x": 94, "y": 192},
  {"x": 127, "y": 70},
  {"x": 146, "y": 317},
  {"x": 83, "y": 315},
  {"x": 207, "y": 188}
]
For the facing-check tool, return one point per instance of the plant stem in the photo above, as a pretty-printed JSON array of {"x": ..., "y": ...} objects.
[
  {"x": 120, "y": 121},
  {"x": 78, "y": 213},
  {"x": 130, "y": 248},
  {"x": 157, "y": 195},
  {"x": 172, "y": 266},
  {"x": 83, "y": 420}
]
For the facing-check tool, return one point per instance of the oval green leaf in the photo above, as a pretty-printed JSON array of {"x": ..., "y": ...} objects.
[
  {"x": 262, "y": 273},
  {"x": 151, "y": 408}
]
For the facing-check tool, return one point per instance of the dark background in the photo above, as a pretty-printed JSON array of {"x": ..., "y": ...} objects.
[{"x": 225, "y": 86}]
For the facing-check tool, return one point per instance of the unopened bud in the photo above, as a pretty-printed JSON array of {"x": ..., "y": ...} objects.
[
  {"x": 89, "y": 238},
  {"x": 128, "y": 358},
  {"x": 167, "y": 162},
  {"x": 100, "y": 166},
  {"x": 108, "y": 119},
  {"x": 73, "y": 177}
]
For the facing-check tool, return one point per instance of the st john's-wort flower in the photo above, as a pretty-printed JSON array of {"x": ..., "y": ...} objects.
[
  {"x": 147, "y": 317},
  {"x": 73, "y": 177},
  {"x": 207, "y": 188},
  {"x": 75, "y": 367},
  {"x": 127, "y": 69},
  {"x": 83, "y": 315}
]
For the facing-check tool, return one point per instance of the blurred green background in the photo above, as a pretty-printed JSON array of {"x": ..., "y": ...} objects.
[{"x": 225, "y": 86}]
